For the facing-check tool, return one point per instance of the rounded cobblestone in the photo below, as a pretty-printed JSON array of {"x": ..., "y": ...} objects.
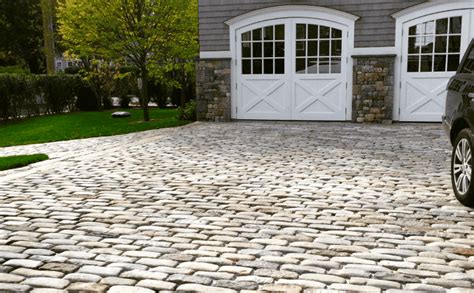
[{"x": 247, "y": 206}]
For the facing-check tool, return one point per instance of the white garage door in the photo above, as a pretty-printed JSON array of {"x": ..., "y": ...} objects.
[
  {"x": 292, "y": 69},
  {"x": 432, "y": 49}
]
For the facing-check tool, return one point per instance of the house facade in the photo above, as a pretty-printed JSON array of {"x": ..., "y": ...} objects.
[{"x": 329, "y": 60}]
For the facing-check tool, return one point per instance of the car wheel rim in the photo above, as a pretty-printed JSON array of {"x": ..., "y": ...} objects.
[{"x": 462, "y": 166}]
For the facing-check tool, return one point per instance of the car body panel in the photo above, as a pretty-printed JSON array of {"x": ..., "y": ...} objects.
[{"x": 459, "y": 110}]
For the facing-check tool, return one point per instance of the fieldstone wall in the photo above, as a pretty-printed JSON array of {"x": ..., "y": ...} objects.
[
  {"x": 372, "y": 100},
  {"x": 213, "y": 90}
]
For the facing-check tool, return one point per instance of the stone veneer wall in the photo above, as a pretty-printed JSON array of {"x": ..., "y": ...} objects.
[
  {"x": 213, "y": 90},
  {"x": 372, "y": 98}
]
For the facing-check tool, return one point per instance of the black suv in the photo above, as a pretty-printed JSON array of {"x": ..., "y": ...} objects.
[{"x": 459, "y": 123}]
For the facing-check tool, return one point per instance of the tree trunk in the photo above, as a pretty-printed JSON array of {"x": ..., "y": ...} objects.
[
  {"x": 47, "y": 8},
  {"x": 183, "y": 87},
  {"x": 144, "y": 92}
]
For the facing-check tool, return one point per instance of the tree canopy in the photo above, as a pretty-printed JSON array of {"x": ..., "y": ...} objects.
[
  {"x": 154, "y": 36},
  {"x": 21, "y": 39}
]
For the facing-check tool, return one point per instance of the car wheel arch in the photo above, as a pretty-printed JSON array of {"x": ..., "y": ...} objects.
[{"x": 457, "y": 126}]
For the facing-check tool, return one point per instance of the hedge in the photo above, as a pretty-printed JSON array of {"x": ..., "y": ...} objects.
[{"x": 31, "y": 95}]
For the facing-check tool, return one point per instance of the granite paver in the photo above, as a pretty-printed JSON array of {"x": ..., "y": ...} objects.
[{"x": 227, "y": 207}]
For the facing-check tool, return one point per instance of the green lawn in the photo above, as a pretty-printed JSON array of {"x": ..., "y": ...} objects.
[
  {"x": 82, "y": 125},
  {"x": 20, "y": 161}
]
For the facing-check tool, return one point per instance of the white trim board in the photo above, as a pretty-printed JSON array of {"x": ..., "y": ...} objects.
[
  {"x": 288, "y": 11},
  {"x": 431, "y": 7},
  {"x": 374, "y": 51},
  {"x": 215, "y": 55}
]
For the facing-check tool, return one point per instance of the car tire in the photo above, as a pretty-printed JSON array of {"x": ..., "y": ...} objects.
[{"x": 461, "y": 168}]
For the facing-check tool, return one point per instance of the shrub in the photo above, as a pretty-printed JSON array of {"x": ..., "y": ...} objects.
[
  {"x": 17, "y": 96},
  {"x": 125, "y": 102},
  {"x": 14, "y": 69},
  {"x": 58, "y": 92},
  {"x": 29, "y": 95},
  {"x": 72, "y": 70},
  {"x": 86, "y": 98},
  {"x": 107, "y": 103},
  {"x": 188, "y": 112}
]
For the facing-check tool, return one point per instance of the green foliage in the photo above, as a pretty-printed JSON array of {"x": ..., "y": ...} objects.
[
  {"x": 154, "y": 36},
  {"x": 188, "y": 112},
  {"x": 21, "y": 38},
  {"x": 125, "y": 102},
  {"x": 86, "y": 99},
  {"x": 14, "y": 69},
  {"x": 77, "y": 125},
  {"x": 58, "y": 91},
  {"x": 12, "y": 162},
  {"x": 17, "y": 96},
  {"x": 31, "y": 95}
]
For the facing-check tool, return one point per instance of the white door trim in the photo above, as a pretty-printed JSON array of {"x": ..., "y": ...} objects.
[
  {"x": 410, "y": 14},
  {"x": 288, "y": 12}
]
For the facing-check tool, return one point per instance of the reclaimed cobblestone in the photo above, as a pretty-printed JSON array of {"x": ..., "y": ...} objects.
[{"x": 220, "y": 206}]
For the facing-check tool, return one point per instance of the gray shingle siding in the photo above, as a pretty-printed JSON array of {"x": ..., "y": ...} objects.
[{"x": 375, "y": 28}]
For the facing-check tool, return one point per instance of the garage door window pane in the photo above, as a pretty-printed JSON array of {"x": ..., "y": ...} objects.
[
  {"x": 324, "y": 48},
  {"x": 257, "y": 34},
  {"x": 246, "y": 50},
  {"x": 336, "y": 34},
  {"x": 324, "y": 65},
  {"x": 312, "y": 65},
  {"x": 313, "y": 31},
  {"x": 442, "y": 26},
  {"x": 336, "y": 48},
  {"x": 454, "y": 44},
  {"x": 434, "y": 45},
  {"x": 440, "y": 63},
  {"x": 453, "y": 62},
  {"x": 300, "y": 65},
  {"x": 268, "y": 49},
  {"x": 279, "y": 66},
  {"x": 440, "y": 44},
  {"x": 301, "y": 48},
  {"x": 268, "y": 33},
  {"x": 427, "y": 45},
  {"x": 300, "y": 31},
  {"x": 336, "y": 65},
  {"x": 426, "y": 63},
  {"x": 246, "y": 66},
  {"x": 257, "y": 66},
  {"x": 279, "y": 32},
  {"x": 413, "y": 63},
  {"x": 313, "y": 48},
  {"x": 413, "y": 45},
  {"x": 268, "y": 66},
  {"x": 455, "y": 25},
  {"x": 280, "y": 49},
  {"x": 259, "y": 50},
  {"x": 324, "y": 32}
]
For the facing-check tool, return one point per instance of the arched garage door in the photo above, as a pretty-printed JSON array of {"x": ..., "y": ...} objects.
[
  {"x": 432, "y": 48},
  {"x": 292, "y": 69}
]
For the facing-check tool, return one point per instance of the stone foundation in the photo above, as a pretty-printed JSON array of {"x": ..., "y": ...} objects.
[
  {"x": 372, "y": 98},
  {"x": 213, "y": 91}
]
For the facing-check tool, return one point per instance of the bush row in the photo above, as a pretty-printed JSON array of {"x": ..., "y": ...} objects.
[{"x": 30, "y": 95}]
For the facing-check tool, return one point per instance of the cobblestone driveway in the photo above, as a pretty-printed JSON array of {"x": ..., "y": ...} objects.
[{"x": 238, "y": 206}]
